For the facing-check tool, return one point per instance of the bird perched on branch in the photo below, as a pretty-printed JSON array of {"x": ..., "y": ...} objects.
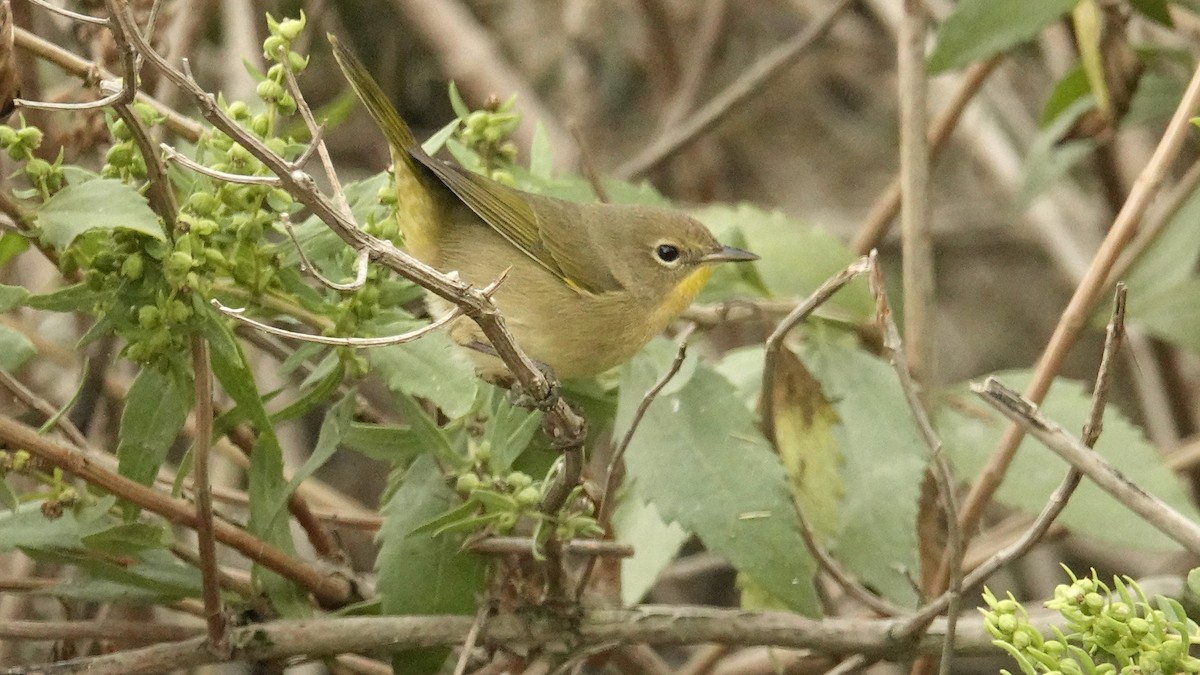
[{"x": 588, "y": 284}]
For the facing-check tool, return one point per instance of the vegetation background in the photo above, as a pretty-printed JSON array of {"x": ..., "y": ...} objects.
[{"x": 1058, "y": 108}]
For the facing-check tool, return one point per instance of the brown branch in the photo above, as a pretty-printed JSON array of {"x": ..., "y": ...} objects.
[
  {"x": 89, "y": 72},
  {"x": 1153, "y": 510},
  {"x": 128, "y": 632},
  {"x": 330, "y": 590},
  {"x": 1075, "y": 317},
  {"x": 214, "y": 615},
  {"x": 916, "y": 235},
  {"x": 651, "y": 625},
  {"x": 766, "y": 69}
]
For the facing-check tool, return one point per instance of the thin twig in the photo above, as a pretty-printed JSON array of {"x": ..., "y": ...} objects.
[
  {"x": 472, "y": 635},
  {"x": 330, "y": 589},
  {"x": 178, "y": 123},
  {"x": 941, "y": 467},
  {"x": 214, "y": 614},
  {"x": 361, "y": 266},
  {"x": 771, "y": 368},
  {"x": 916, "y": 237},
  {"x": 411, "y": 336},
  {"x": 1074, "y": 317},
  {"x": 799, "y": 313},
  {"x": 767, "y": 68},
  {"x": 1153, "y": 510}
]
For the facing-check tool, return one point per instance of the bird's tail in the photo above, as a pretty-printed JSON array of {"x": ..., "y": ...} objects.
[{"x": 399, "y": 136}]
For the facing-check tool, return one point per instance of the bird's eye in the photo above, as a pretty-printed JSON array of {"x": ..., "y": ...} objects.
[{"x": 666, "y": 253}]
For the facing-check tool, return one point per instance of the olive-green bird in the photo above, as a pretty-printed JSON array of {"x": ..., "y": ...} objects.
[{"x": 588, "y": 284}]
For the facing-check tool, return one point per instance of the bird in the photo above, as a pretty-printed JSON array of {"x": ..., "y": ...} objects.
[{"x": 587, "y": 285}]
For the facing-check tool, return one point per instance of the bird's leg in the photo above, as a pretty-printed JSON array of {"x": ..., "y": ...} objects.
[{"x": 517, "y": 396}]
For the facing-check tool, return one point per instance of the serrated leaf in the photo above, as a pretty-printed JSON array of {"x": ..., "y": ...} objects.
[
  {"x": 432, "y": 368},
  {"x": 655, "y": 544},
  {"x": 156, "y": 408},
  {"x": 449, "y": 578},
  {"x": 316, "y": 389},
  {"x": 805, "y": 438},
  {"x": 699, "y": 458},
  {"x": 15, "y": 349},
  {"x": 978, "y": 29},
  {"x": 877, "y": 533},
  {"x": 333, "y": 430},
  {"x": 103, "y": 204},
  {"x": 970, "y": 430},
  {"x": 11, "y": 297},
  {"x": 266, "y": 486}
]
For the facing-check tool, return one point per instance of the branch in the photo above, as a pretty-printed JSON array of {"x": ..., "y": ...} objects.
[
  {"x": 1075, "y": 317},
  {"x": 1153, "y": 510},
  {"x": 330, "y": 590},
  {"x": 651, "y": 625}
]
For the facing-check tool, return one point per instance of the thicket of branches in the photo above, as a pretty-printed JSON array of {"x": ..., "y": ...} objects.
[{"x": 231, "y": 431}]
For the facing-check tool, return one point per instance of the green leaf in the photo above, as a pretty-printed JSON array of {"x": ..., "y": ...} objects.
[
  {"x": 434, "y": 143},
  {"x": 267, "y": 485},
  {"x": 420, "y": 574},
  {"x": 456, "y": 102},
  {"x": 970, "y": 430},
  {"x": 156, "y": 576},
  {"x": 541, "y": 155},
  {"x": 25, "y": 526},
  {"x": 1172, "y": 314},
  {"x": 877, "y": 532},
  {"x": 333, "y": 430},
  {"x": 11, "y": 297},
  {"x": 978, "y": 29},
  {"x": 8, "y": 498},
  {"x": 1155, "y": 10},
  {"x": 1072, "y": 87},
  {"x": 156, "y": 407},
  {"x": 431, "y": 437},
  {"x": 510, "y": 430},
  {"x": 12, "y": 244},
  {"x": 393, "y": 444},
  {"x": 77, "y": 298},
  {"x": 432, "y": 368},
  {"x": 699, "y": 458},
  {"x": 1169, "y": 262},
  {"x": 103, "y": 204},
  {"x": 316, "y": 389},
  {"x": 15, "y": 349},
  {"x": 655, "y": 545},
  {"x": 126, "y": 539},
  {"x": 1050, "y": 158}
]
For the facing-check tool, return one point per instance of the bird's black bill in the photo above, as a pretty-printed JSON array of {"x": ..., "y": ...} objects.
[{"x": 728, "y": 254}]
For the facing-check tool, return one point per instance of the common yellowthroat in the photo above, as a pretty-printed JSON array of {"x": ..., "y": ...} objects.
[{"x": 588, "y": 284}]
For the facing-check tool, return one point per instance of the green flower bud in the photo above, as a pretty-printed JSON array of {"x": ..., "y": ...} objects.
[
  {"x": 133, "y": 267},
  {"x": 297, "y": 62},
  {"x": 467, "y": 482},
  {"x": 30, "y": 137},
  {"x": 528, "y": 496},
  {"x": 290, "y": 29},
  {"x": 178, "y": 264},
  {"x": 261, "y": 124},
  {"x": 269, "y": 90},
  {"x": 20, "y": 460},
  {"x": 8, "y": 136},
  {"x": 518, "y": 480},
  {"x": 476, "y": 122},
  {"x": 203, "y": 203},
  {"x": 272, "y": 45},
  {"x": 238, "y": 110}
]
